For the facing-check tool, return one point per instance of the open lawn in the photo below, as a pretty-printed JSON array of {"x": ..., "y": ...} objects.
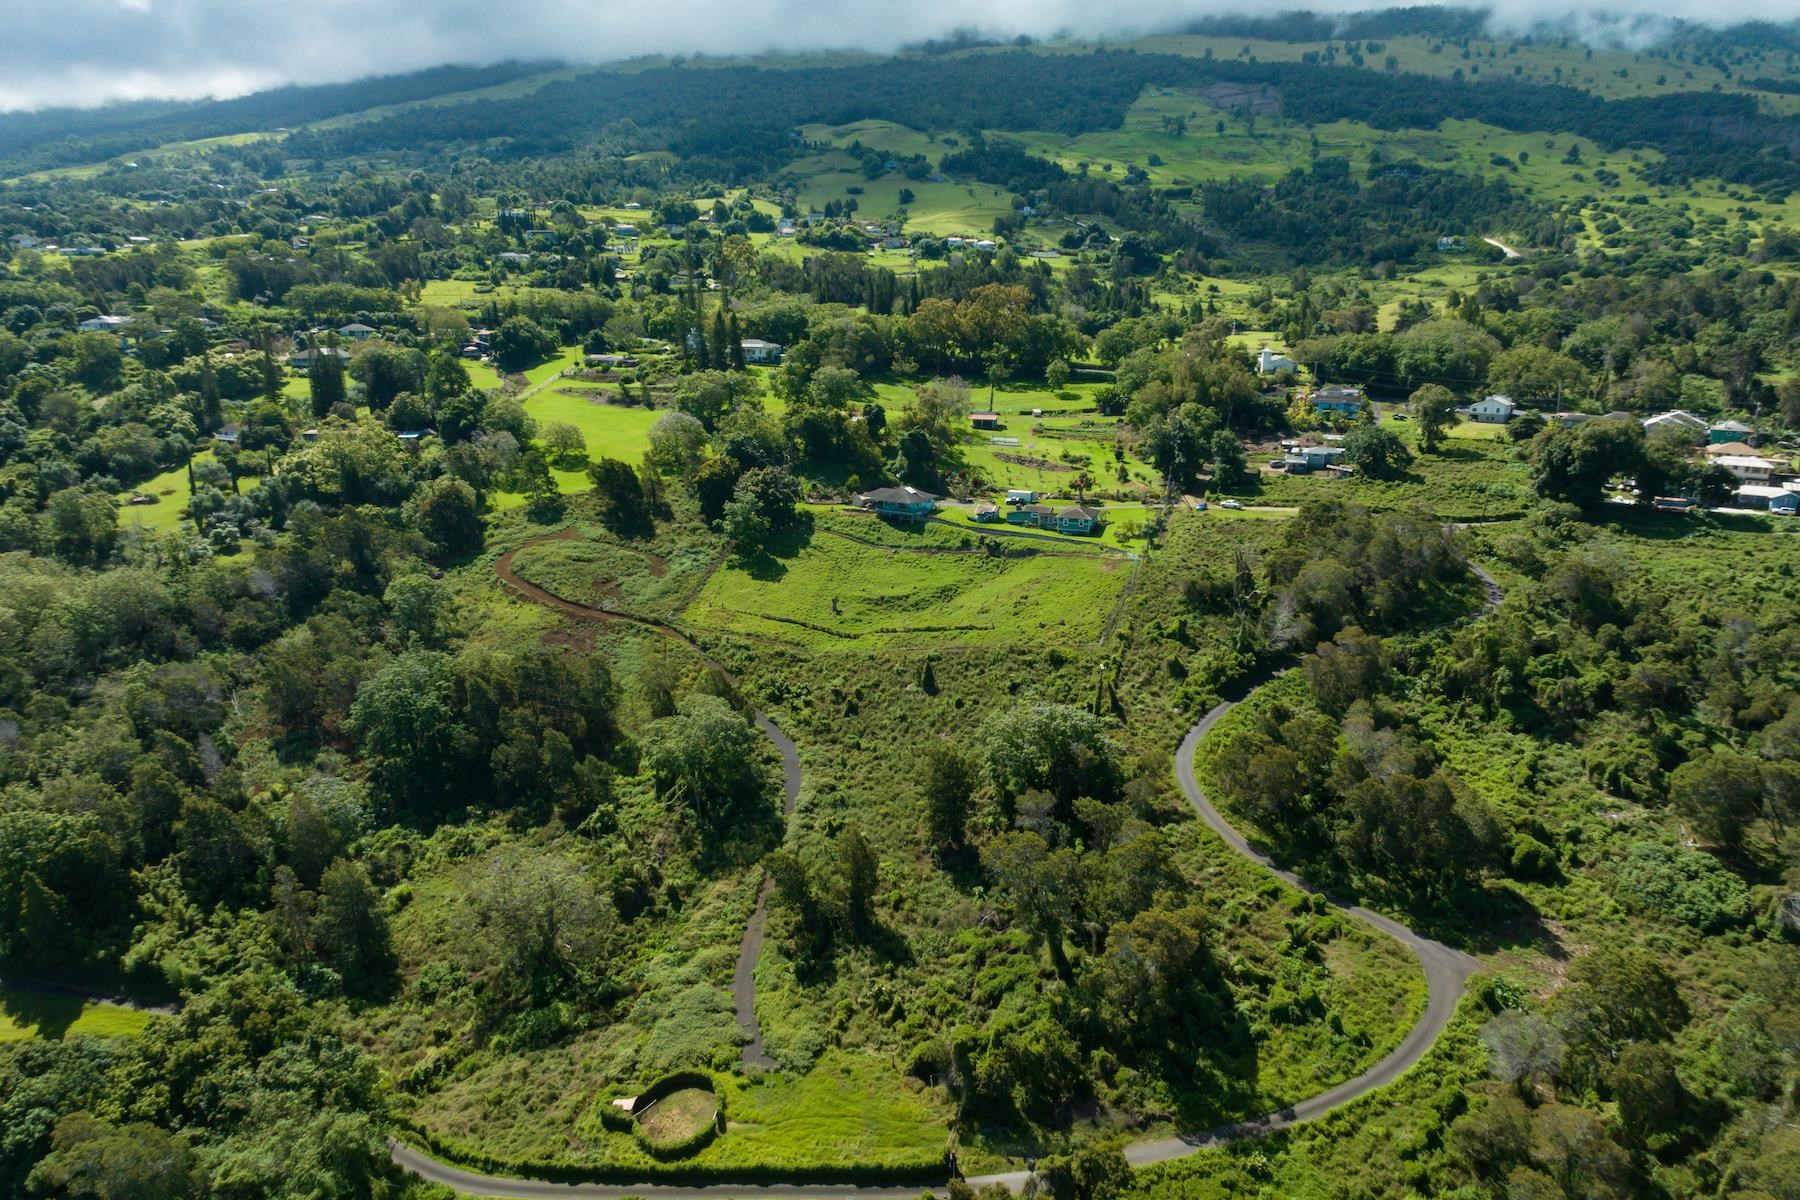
[
  {"x": 925, "y": 587},
  {"x": 679, "y": 1115},
  {"x": 172, "y": 495},
  {"x": 27, "y": 1013}
]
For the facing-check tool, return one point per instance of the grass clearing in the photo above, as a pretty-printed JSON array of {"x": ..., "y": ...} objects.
[
  {"x": 942, "y": 588},
  {"x": 679, "y": 1115},
  {"x": 27, "y": 1013}
]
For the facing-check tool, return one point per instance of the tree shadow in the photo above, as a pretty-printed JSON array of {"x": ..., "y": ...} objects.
[{"x": 50, "y": 1012}]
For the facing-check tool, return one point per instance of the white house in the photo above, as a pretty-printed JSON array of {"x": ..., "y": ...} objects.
[
  {"x": 758, "y": 351},
  {"x": 1747, "y": 467},
  {"x": 1268, "y": 362},
  {"x": 1496, "y": 410},
  {"x": 103, "y": 324},
  {"x": 356, "y": 331}
]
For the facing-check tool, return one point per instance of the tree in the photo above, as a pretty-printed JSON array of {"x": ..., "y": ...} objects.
[
  {"x": 1056, "y": 375},
  {"x": 1231, "y": 467},
  {"x": 565, "y": 444},
  {"x": 1523, "y": 1048},
  {"x": 764, "y": 503},
  {"x": 407, "y": 725},
  {"x": 448, "y": 513},
  {"x": 446, "y": 377},
  {"x": 1041, "y": 885},
  {"x": 1377, "y": 452},
  {"x": 520, "y": 342},
  {"x": 386, "y": 371},
  {"x": 1720, "y": 792},
  {"x": 1057, "y": 748},
  {"x": 1534, "y": 373},
  {"x": 1575, "y": 1147},
  {"x": 620, "y": 495},
  {"x": 217, "y": 860},
  {"x": 93, "y": 1159},
  {"x": 714, "y": 484},
  {"x": 705, "y": 756},
  {"x": 325, "y": 379},
  {"x": 677, "y": 443},
  {"x": 859, "y": 870},
  {"x": 1575, "y": 465},
  {"x": 1433, "y": 410},
  {"x": 949, "y": 781},
  {"x": 351, "y": 927}
]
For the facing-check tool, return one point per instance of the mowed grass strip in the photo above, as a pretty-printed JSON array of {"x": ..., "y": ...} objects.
[
  {"x": 900, "y": 597},
  {"x": 25, "y": 1014}
]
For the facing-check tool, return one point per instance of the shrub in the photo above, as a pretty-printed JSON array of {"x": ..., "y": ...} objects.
[{"x": 1682, "y": 885}]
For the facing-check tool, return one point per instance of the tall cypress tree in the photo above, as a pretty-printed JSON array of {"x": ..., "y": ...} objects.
[
  {"x": 737, "y": 345},
  {"x": 325, "y": 377},
  {"x": 720, "y": 342},
  {"x": 212, "y": 413}
]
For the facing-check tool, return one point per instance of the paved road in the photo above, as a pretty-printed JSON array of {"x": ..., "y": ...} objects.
[{"x": 1446, "y": 974}]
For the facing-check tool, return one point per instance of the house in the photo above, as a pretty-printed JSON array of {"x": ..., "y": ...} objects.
[
  {"x": 1447, "y": 244},
  {"x": 226, "y": 435},
  {"x": 1673, "y": 504},
  {"x": 1686, "y": 424},
  {"x": 1030, "y": 514},
  {"x": 985, "y": 420},
  {"x": 1569, "y": 420},
  {"x": 513, "y": 256},
  {"x": 1495, "y": 410},
  {"x": 898, "y": 503},
  {"x": 1021, "y": 496},
  {"x": 1729, "y": 431},
  {"x": 1317, "y": 458},
  {"x": 25, "y": 241},
  {"x": 985, "y": 245},
  {"x": 758, "y": 351},
  {"x": 1764, "y": 495},
  {"x": 1268, "y": 362},
  {"x": 104, "y": 324},
  {"x": 987, "y": 512},
  {"x": 1077, "y": 519},
  {"x": 633, "y": 206},
  {"x": 302, "y": 360},
  {"x": 625, "y": 231},
  {"x": 1718, "y": 448},
  {"x": 356, "y": 331},
  {"x": 1338, "y": 398},
  {"x": 1747, "y": 467}
]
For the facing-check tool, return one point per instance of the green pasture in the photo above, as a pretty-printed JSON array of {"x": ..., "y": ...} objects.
[
  {"x": 926, "y": 586},
  {"x": 940, "y": 208},
  {"x": 27, "y": 1013},
  {"x": 172, "y": 495}
]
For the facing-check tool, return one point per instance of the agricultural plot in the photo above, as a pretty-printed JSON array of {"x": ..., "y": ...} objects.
[{"x": 944, "y": 588}]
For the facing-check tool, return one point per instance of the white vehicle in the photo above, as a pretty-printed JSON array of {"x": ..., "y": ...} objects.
[{"x": 1231, "y": 504}]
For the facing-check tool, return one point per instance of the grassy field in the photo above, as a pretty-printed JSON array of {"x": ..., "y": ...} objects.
[
  {"x": 25, "y": 1013},
  {"x": 602, "y": 573},
  {"x": 927, "y": 587},
  {"x": 172, "y": 495}
]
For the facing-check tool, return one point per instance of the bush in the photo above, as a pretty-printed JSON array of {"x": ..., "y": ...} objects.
[
  {"x": 1682, "y": 885},
  {"x": 1531, "y": 859}
]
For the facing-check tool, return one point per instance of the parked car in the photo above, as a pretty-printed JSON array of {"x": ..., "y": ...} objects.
[
  {"x": 1231, "y": 504},
  {"x": 1199, "y": 506}
]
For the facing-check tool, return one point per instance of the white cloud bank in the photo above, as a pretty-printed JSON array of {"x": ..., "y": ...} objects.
[{"x": 88, "y": 52}]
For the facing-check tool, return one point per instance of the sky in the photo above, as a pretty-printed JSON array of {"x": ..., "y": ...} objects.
[{"x": 89, "y": 52}]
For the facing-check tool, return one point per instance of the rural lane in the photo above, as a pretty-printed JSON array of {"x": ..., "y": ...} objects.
[{"x": 1447, "y": 971}]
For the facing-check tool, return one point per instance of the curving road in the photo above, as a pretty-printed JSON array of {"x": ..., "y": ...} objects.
[{"x": 1447, "y": 971}]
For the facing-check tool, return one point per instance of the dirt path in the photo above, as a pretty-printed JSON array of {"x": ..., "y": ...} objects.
[{"x": 1446, "y": 975}]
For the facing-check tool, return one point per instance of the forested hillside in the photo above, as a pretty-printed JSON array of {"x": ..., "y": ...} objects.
[{"x": 1202, "y": 618}]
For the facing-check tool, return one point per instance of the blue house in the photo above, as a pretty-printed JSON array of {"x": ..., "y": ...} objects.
[
  {"x": 1079, "y": 519},
  {"x": 1338, "y": 399},
  {"x": 898, "y": 503}
]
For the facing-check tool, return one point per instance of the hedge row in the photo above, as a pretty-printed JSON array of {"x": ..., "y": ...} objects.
[{"x": 456, "y": 1154}]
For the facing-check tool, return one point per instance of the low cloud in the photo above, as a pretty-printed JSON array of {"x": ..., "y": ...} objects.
[{"x": 89, "y": 52}]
